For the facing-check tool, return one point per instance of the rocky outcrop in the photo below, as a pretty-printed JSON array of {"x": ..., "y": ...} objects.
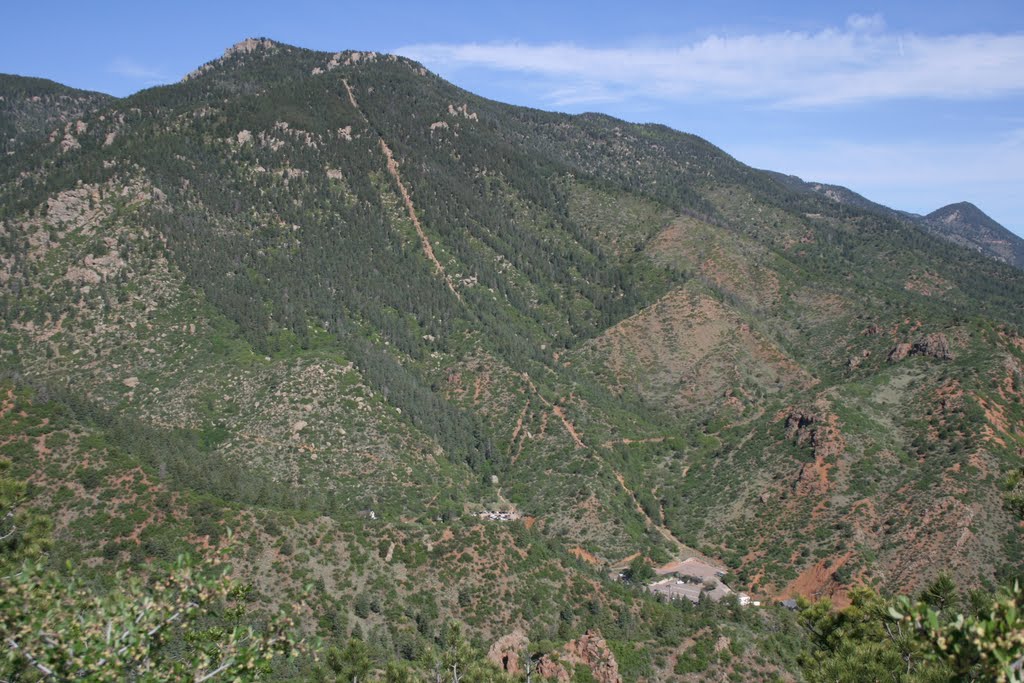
[
  {"x": 592, "y": 651},
  {"x": 549, "y": 669},
  {"x": 899, "y": 352},
  {"x": 934, "y": 345},
  {"x": 589, "y": 650},
  {"x": 799, "y": 425},
  {"x": 507, "y": 652},
  {"x": 855, "y": 361},
  {"x": 820, "y": 430}
]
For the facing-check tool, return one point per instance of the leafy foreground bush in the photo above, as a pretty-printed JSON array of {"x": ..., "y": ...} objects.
[
  {"x": 984, "y": 646},
  {"x": 176, "y": 626},
  {"x": 928, "y": 640}
]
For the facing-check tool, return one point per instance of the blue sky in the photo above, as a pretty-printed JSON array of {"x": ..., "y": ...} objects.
[{"x": 913, "y": 104}]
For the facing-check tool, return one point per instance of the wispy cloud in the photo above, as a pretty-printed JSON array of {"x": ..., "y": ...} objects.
[
  {"x": 130, "y": 68},
  {"x": 858, "y": 62}
]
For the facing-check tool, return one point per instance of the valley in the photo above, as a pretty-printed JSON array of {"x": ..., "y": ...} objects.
[{"x": 405, "y": 355}]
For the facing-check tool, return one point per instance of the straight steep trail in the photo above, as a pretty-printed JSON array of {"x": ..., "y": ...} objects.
[{"x": 392, "y": 166}]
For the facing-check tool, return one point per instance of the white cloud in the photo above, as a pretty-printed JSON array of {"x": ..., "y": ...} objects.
[
  {"x": 860, "y": 22},
  {"x": 129, "y": 68},
  {"x": 832, "y": 67}
]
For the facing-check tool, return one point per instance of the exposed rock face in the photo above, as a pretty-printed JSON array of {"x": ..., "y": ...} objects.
[
  {"x": 549, "y": 669},
  {"x": 507, "y": 652},
  {"x": 828, "y": 440},
  {"x": 821, "y": 431},
  {"x": 899, "y": 352},
  {"x": 592, "y": 651},
  {"x": 798, "y": 424},
  {"x": 934, "y": 345},
  {"x": 249, "y": 45},
  {"x": 589, "y": 650},
  {"x": 855, "y": 361}
]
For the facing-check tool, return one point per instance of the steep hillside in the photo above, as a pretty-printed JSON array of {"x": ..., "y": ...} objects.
[
  {"x": 33, "y": 107},
  {"x": 964, "y": 223},
  {"x": 346, "y": 309}
]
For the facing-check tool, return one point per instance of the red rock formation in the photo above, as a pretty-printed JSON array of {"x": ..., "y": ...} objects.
[
  {"x": 507, "y": 652},
  {"x": 589, "y": 650},
  {"x": 592, "y": 651},
  {"x": 827, "y": 440},
  {"x": 548, "y": 668},
  {"x": 821, "y": 432},
  {"x": 798, "y": 424},
  {"x": 934, "y": 345}
]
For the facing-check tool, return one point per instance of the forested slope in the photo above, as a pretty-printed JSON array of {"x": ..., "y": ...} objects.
[{"x": 343, "y": 307}]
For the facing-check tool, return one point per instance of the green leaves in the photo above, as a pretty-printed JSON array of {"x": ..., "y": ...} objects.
[
  {"x": 921, "y": 640},
  {"x": 989, "y": 646},
  {"x": 164, "y": 628}
]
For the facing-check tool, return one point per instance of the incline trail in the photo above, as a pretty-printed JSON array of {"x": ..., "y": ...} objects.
[
  {"x": 558, "y": 412},
  {"x": 392, "y": 165},
  {"x": 684, "y": 550}
]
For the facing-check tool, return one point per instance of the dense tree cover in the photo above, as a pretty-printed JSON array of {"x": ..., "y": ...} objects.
[{"x": 271, "y": 193}]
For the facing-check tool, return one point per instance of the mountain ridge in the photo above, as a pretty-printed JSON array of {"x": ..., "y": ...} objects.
[
  {"x": 998, "y": 242},
  {"x": 619, "y": 333}
]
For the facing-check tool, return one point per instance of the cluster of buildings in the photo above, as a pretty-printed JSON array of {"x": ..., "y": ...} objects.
[
  {"x": 500, "y": 515},
  {"x": 690, "y": 579}
]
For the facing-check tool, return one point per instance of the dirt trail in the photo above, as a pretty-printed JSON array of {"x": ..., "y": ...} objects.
[
  {"x": 352, "y": 98},
  {"x": 392, "y": 165},
  {"x": 627, "y": 442},
  {"x": 569, "y": 427},
  {"x": 513, "y": 445},
  {"x": 557, "y": 411},
  {"x": 684, "y": 550}
]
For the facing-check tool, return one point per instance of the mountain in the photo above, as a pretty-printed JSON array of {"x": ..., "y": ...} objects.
[
  {"x": 965, "y": 224},
  {"x": 962, "y": 223},
  {"x": 348, "y": 310},
  {"x": 31, "y": 107}
]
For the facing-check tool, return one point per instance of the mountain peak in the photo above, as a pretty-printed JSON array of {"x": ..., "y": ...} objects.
[
  {"x": 243, "y": 47},
  {"x": 250, "y": 45},
  {"x": 966, "y": 224},
  {"x": 960, "y": 211}
]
